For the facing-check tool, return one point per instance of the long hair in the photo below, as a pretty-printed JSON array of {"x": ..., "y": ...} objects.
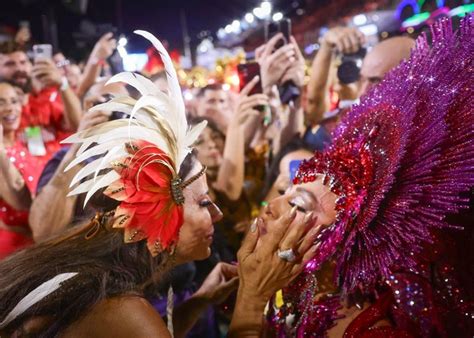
[{"x": 106, "y": 267}]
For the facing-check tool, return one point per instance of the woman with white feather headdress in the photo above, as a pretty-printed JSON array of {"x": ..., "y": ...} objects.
[{"x": 90, "y": 281}]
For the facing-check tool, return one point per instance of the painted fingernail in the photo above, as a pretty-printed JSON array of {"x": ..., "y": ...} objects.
[
  {"x": 293, "y": 211},
  {"x": 316, "y": 246},
  {"x": 308, "y": 217},
  {"x": 253, "y": 226}
]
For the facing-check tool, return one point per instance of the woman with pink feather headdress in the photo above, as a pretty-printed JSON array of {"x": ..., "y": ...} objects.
[{"x": 401, "y": 161}]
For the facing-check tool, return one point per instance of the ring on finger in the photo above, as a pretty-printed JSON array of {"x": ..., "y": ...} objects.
[{"x": 287, "y": 255}]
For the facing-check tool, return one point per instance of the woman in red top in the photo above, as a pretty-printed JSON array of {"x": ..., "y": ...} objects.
[{"x": 18, "y": 176}]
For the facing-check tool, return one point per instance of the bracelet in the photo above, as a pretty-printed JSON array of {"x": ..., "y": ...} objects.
[{"x": 64, "y": 84}]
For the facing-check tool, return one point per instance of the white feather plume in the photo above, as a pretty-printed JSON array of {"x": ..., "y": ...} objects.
[
  {"x": 36, "y": 296},
  {"x": 156, "y": 117}
]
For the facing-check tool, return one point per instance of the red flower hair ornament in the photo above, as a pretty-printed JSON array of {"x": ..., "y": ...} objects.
[{"x": 137, "y": 159}]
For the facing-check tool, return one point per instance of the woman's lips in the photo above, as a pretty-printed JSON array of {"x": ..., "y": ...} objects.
[
  {"x": 10, "y": 118},
  {"x": 210, "y": 236}
]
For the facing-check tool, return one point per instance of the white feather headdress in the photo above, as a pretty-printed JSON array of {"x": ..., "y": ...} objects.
[{"x": 156, "y": 120}]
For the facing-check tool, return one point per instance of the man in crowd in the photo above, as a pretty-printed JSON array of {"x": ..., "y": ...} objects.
[{"x": 213, "y": 102}]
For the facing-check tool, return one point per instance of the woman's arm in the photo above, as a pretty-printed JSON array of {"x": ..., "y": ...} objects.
[
  {"x": 230, "y": 178},
  {"x": 345, "y": 40},
  {"x": 102, "y": 50}
]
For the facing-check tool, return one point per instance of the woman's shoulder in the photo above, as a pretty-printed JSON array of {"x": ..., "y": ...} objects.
[{"x": 121, "y": 316}]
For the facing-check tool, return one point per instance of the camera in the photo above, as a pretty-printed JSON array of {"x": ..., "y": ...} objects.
[{"x": 349, "y": 69}]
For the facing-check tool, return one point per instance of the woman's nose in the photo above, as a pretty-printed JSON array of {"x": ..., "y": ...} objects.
[{"x": 216, "y": 213}]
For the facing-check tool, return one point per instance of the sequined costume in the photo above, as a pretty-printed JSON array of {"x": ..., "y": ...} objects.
[{"x": 399, "y": 163}]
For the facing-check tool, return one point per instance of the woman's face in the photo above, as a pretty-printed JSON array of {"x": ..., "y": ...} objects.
[
  {"x": 307, "y": 197},
  {"x": 196, "y": 234},
  {"x": 210, "y": 147},
  {"x": 10, "y": 108}
]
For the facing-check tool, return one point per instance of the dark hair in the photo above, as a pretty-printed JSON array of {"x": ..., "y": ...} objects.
[
  {"x": 106, "y": 267},
  {"x": 9, "y": 47},
  {"x": 214, "y": 86}
]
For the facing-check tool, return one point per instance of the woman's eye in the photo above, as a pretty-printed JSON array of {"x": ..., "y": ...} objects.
[
  {"x": 281, "y": 191},
  {"x": 298, "y": 207},
  {"x": 205, "y": 203}
]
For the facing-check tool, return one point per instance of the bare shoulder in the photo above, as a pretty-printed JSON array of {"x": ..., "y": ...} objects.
[{"x": 124, "y": 316}]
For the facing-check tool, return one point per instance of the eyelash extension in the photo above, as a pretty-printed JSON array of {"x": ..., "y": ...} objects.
[
  {"x": 205, "y": 204},
  {"x": 298, "y": 208}
]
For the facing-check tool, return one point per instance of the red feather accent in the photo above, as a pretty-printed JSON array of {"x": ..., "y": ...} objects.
[{"x": 146, "y": 197}]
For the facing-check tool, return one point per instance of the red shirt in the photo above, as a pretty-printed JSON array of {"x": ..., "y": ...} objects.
[
  {"x": 17, "y": 237},
  {"x": 45, "y": 109}
]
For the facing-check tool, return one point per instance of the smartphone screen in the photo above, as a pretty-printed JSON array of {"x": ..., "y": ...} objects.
[
  {"x": 294, "y": 165},
  {"x": 247, "y": 71},
  {"x": 42, "y": 52}
]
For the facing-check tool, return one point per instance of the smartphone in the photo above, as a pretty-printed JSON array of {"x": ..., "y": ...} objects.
[
  {"x": 273, "y": 28},
  {"x": 247, "y": 71},
  {"x": 294, "y": 165},
  {"x": 42, "y": 52}
]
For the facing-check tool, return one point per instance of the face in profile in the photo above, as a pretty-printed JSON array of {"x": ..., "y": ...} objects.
[
  {"x": 210, "y": 147},
  {"x": 197, "y": 231},
  {"x": 307, "y": 197},
  {"x": 10, "y": 108}
]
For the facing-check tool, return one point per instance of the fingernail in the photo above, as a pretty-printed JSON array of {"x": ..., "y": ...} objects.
[
  {"x": 293, "y": 211},
  {"x": 256, "y": 77},
  {"x": 253, "y": 227},
  {"x": 307, "y": 218},
  {"x": 315, "y": 230},
  {"x": 316, "y": 246}
]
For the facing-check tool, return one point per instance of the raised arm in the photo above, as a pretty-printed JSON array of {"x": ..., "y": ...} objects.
[
  {"x": 230, "y": 178},
  {"x": 342, "y": 39},
  {"x": 46, "y": 72},
  {"x": 102, "y": 50}
]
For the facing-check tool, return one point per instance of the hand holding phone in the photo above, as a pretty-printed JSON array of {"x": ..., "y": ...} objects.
[
  {"x": 274, "y": 28},
  {"x": 248, "y": 104}
]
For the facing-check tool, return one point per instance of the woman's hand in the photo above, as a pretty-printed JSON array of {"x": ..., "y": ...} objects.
[
  {"x": 219, "y": 284},
  {"x": 274, "y": 63},
  {"x": 104, "y": 48},
  {"x": 262, "y": 272},
  {"x": 246, "y": 104}
]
